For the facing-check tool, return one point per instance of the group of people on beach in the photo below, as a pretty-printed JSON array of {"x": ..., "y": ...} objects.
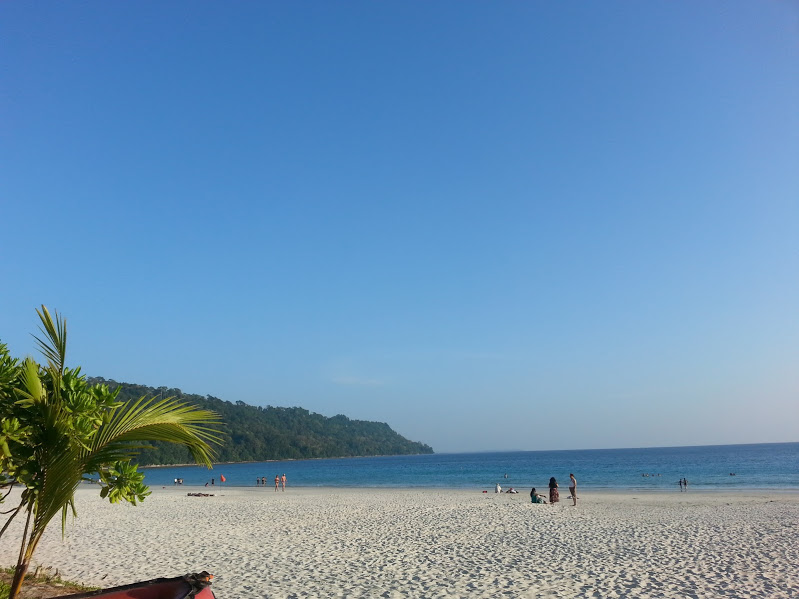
[
  {"x": 554, "y": 491},
  {"x": 683, "y": 484},
  {"x": 279, "y": 480}
]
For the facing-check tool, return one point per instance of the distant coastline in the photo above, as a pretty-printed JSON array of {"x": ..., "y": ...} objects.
[
  {"x": 270, "y": 433},
  {"x": 348, "y": 457}
]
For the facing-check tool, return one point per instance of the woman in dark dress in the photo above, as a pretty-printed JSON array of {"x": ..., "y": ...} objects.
[{"x": 554, "y": 494}]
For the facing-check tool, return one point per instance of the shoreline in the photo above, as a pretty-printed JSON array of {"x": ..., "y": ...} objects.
[
  {"x": 490, "y": 490},
  {"x": 410, "y": 543}
]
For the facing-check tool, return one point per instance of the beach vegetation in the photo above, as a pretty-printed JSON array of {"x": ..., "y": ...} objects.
[{"x": 59, "y": 430}]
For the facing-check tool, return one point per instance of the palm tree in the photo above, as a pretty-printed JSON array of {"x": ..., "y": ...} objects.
[{"x": 63, "y": 430}]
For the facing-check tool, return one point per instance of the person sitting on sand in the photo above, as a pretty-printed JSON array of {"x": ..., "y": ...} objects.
[{"x": 536, "y": 498}]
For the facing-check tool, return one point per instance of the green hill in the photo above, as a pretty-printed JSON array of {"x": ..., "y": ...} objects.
[{"x": 254, "y": 433}]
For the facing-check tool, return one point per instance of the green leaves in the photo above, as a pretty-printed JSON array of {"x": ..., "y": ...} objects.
[
  {"x": 54, "y": 347},
  {"x": 123, "y": 482},
  {"x": 9, "y": 372},
  {"x": 32, "y": 390},
  {"x": 158, "y": 420},
  {"x": 10, "y": 430}
]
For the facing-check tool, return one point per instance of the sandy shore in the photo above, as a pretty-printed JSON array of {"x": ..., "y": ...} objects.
[{"x": 436, "y": 543}]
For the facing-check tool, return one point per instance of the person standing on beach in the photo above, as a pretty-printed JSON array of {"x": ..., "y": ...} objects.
[
  {"x": 554, "y": 493},
  {"x": 277, "y": 482},
  {"x": 680, "y": 482},
  {"x": 573, "y": 488},
  {"x": 283, "y": 480}
]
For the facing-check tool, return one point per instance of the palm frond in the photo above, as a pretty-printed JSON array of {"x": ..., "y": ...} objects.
[
  {"x": 63, "y": 471},
  {"x": 157, "y": 420},
  {"x": 54, "y": 346},
  {"x": 32, "y": 388}
]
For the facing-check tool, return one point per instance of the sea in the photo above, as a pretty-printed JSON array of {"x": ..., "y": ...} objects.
[{"x": 773, "y": 466}]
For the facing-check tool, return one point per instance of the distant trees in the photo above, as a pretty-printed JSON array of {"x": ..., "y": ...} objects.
[
  {"x": 255, "y": 433},
  {"x": 56, "y": 429}
]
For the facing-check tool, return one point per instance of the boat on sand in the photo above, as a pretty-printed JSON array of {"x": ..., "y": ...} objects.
[{"x": 196, "y": 586}]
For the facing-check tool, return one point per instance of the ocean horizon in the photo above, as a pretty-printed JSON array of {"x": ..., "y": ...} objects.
[{"x": 755, "y": 465}]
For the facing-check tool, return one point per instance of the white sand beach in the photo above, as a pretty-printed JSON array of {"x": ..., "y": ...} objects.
[{"x": 435, "y": 543}]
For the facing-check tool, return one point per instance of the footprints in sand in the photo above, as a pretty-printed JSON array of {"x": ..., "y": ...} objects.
[{"x": 429, "y": 544}]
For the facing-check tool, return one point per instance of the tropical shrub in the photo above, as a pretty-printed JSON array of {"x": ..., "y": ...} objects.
[{"x": 57, "y": 430}]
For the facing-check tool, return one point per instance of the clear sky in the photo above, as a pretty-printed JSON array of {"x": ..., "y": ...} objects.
[{"x": 493, "y": 225}]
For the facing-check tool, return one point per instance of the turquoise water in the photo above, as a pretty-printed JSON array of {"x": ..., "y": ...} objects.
[{"x": 768, "y": 466}]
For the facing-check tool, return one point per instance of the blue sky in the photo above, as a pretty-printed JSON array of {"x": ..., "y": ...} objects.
[{"x": 506, "y": 225}]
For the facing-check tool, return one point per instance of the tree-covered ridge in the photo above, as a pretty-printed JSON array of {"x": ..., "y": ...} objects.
[{"x": 256, "y": 434}]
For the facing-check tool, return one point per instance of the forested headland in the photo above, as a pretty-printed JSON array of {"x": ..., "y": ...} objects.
[{"x": 257, "y": 434}]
